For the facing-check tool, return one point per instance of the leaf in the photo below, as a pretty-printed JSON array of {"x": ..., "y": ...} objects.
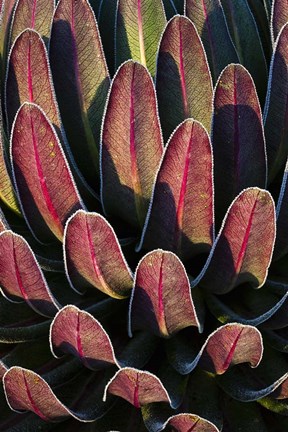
[
  {"x": 281, "y": 246},
  {"x": 29, "y": 79},
  {"x": 33, "y": 14},
  {"x": 183, "y": 79},
  {"x": 46, "y": 189},
  {"x": 130, "y": 158},
  {"x": 137, "y": 387},
  {"x": 189, "y": 422},
  {"x": 180, "y": 217},
  {"x": 3, "y": 222},
  {"x": 7, "y": 7},
  {"x": 21, "y": 276},
  {"x": 78, "y": 333},
  {"x": 88, "y": 263},
  {"x": 81, "y": 80},
  {"x": 243, "y": 29},
  {"x": 243, "y": 249},
  {"x": 106, "y": 21},
  {"x": 275, "y": 111},
  {"x": 139, "y": 26},
  {"x": 161, "y": 299},
  {"x": 237, "y": 137},
  {"x": 279, "y": 17},
  {"x": 209, "y": 19},
  {"x": 227, "y": 346}
]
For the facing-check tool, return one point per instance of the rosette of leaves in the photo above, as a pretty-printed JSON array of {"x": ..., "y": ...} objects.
[{"x": 144, "y": 241}]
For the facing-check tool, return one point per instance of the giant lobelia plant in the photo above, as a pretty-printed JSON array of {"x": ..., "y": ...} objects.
[{"x": 144, "y": 221}]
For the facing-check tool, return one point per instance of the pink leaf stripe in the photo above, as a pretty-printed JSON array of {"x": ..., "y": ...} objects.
[
  {"x": 243, "y": 249},
  {"x": 45, "y": 185},
  {"x": 189, "y": 423},
  {"x": 29, "y": 78},
  {"x": 81, "y": 80},
  {"x": 279, "y": 17},
  {"x": 27, "y": 391},
  {"x": 180, "y": 218},
  {"x": 21, "y": 276},
  {"x": 276, "y": 108},
  {"x": 88, "y": 263},
  {"x": 237, "y": 137},
  {"x": 183, "y": 80},
  {"x": 77, "y": 332},
  {"x": 209, "y": 19},
  {"x": 139, "y": 26},
  {"x": 138, "y": 387},
  {"x": 227, "y": 346},
  {"x": 33, "y": 14},
  {"x": 161, "y": 301},
  {"x": 131, "y": 144}
]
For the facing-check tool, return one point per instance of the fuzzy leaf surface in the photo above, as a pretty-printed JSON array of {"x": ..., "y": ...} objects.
[
  {"x": 161, "y": 300},
  {"x": 88, "y": 263},
  {"x": 279, "y": 17},
  {"x": 33, "y": 14},
  {"x": 190, "y": 422},
  {"x": 139, "y": 26},
  {"x": 131, "y": 144},
  {"x": 243, "y": 249},
  {"x": 81, "y": 80},
  {"x": 237, "y": 137},
  {"x": 183, "y": 80},
  {"x": 180, "y": 218},
  {"x": 209, "y": 19},
  {"x": 44, "y": 182}
]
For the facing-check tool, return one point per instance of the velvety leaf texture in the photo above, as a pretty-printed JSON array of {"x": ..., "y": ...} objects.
[
  {"x": 180, "y": 218},
  {"x": 183, "y": 80},
  {"x": 279, "y": 17},
  {"x": 21, "y": 277},
  {"x": 139, "y": 25},
  {"x": 79, "y": 333},
  {"x": 239, "y": 253},
  {"x": 88, "y": 263},
  {"x": 39, "y": 163},
  {"x": 29, "y": 78},
  {"x": 237, "y": 137},
  {"x": 152, "y": 305},
  {"x": 130, "y": 157},
  {"x": 275, "y": 112},
  {"x": 189, "y": 423},
  {"x": 209, "y": 19},
  {"x": 137, "y": 387},
  {"x": 81, "y": 81},
  {"x": 34, "y": 14}
]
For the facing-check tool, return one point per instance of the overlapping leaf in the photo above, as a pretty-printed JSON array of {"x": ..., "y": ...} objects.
[
  {"x": 183, "y": 80},
  {"x": 81, "y": 80},
  {"x": 88, "y": 263},
  {"x": 237, "y": 137},
  {"x": 7, "y": 7},
  {"x": 21, "y": 276},
  {"x": 33, "y": 14},
  {"x": 137, "y": 387},
  {"x": 275, "y": 112},
  {"x": 180, "y": 218},
  {"x": 279, "y": 17},
  {"x": 139, "y": 25},
  {"x": 130, "y": 157},
  {"x": 209, "y": 19},
  {"x": 243, "y": 249},
  {"x": 227, "y": 346},
  {"x": 161, "y": 300},
  {"x": 44, "y": 182},
  {"x": 190, "y": 422}
]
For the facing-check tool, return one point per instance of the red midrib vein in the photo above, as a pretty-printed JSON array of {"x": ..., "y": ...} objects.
[
  {"x": 31, "y": 400},
  {"x": 18, "y": 276},
  {"x": 43, "y": 185},
  {"x": 29, "y": 74},
  {"x": 236, "y": 135},
  {"x": 136, "y": 401},
  {"x": 161, "y": 311},
  {"x": 243, "y": 248},
  {"x": 194, "y": 426},
  {"x": 33, "y": 15},
  {"x": 231, "y": 352},
  {"x": 182, "y": 74},
  {"x": 181, "y": 200}
]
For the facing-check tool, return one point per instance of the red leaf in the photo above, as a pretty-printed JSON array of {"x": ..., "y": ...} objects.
[
  {"x": 183, "y": 80},
  {"x": 130, "y": 158},
  {"x": 45, "y": 185},
  {"x": 88, "y": 263},
  {"x": 279, "y": 17},
  {"x": 180, "y": 218},
  {"x": 189, "y": 423},
  {"x": 161, "y": 300}
]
